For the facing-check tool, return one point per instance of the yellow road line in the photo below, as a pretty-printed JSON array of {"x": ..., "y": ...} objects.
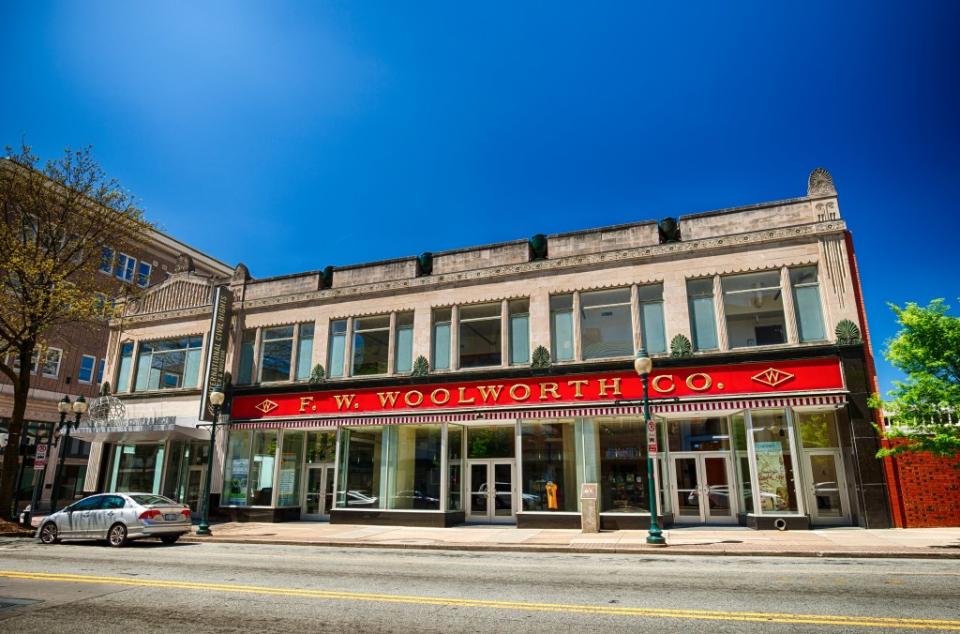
[{"x": 666, "y": 613}]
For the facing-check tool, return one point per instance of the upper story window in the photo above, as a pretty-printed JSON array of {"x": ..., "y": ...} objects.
[
  {"x": 373, "y": 342},
  {"x": 480, "y": 335},
  {"x": 806, "y": 303},
  {"x": 650, "y": 303},
  {"x": 753, "y": 307},
  {"x": 106, "y": 260},
  {"x": 168, "y": 364},
  {"x": 99, "y": 378},
  {"x": 605, "y": 324},
  {"x": 125, "y": 267},
  {"x": 519, "y": 331},
  {"x": 51, "y": 362},
  {"x": 561, "y": 327},
  {"x": 371, "y": 345},
  {"x": 87, "y": 365},
  {"x": 441, "y": 338},
  {"x": 284, "y": 354},
  {"x": 703, "y": 322},
  {"x": 403, "y": 362},
  {"x": 123, "y": 367},
  {"x": 143, "y": 274},
  {"x": 337, "y": 348},
  {"x": 276, "y": 354}
]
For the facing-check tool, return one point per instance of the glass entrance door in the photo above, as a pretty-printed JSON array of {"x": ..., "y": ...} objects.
[
  {"x": 194, "y": 489},
  {"x": 317, "y": 491},
  {"x": 826, "y": 492},
  {"x": 701, "y": 488},
  {"x": 491, "y": 484}
]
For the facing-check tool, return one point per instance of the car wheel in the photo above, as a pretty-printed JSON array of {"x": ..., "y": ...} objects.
[
  {"x": 170, "y": 539},
  {"x": 117, "y": 536},
  {"x": 48, "y": 534}
]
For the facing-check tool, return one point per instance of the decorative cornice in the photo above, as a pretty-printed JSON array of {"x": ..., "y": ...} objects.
[{"x": 591, "y": 260}]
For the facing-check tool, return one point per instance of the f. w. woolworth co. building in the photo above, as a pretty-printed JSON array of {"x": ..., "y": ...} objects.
[{"x": 487, "y": 384}]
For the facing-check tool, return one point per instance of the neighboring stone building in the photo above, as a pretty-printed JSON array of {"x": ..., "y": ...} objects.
[
  {"x": 488, "y": 383},
  {"x": 74, "y": 356}
]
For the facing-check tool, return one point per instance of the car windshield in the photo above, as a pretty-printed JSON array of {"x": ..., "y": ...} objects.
[{"x": 151, "y": 499}]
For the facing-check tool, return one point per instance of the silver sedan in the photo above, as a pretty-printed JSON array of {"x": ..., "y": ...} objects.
[{"x": 118, "y": 518}]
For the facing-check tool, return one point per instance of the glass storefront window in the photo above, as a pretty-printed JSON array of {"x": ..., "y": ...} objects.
[
  {"x": 262, "y": 462},
  {"x": 698, "y": 434},
  {"x": 321, "y": 446},
  {"x": 360, "y": 463},
  {"x": 549, "y": 466},
  {"x": 623, "y": 465},
  {"x": 776, "y": 478},
  {"x": 288, "y": 487},
  {"x": 491, "y": 442},
  {"x": 818, "y": 430},
  {"x": 237, "y": 469},
  {"x": 137, "y": 468},
  {"x": 738, "y": 433},
  {"x": 416, "y": 471},
  {"x": 454, "y": 468}
]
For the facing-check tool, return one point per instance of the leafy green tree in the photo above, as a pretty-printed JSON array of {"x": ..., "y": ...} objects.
[
  {"x": 55, "y": 220},
  {"x": 925, "y": 408}
]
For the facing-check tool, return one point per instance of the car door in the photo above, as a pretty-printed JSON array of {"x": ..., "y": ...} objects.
[
  {"x": 79, "y": 517},
  {"x": 105, "y": 515}
]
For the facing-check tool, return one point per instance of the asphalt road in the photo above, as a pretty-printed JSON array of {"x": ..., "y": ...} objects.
[{"x": 199, "y": 588}]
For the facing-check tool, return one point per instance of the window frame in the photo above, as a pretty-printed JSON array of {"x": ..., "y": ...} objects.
[
  {"x": 126, "y": 259},
  {"x": 262, "y": 344},
  {"x": 138, "y": 351},
  {"x": 42, "y": 368},
  {"x": 504, "y": 332},
  {"x": 354, "y": 331},
  {"x": 138, "y": 274},
  {"x": 93, "y": 369},
  {"x": 778, "y": 272},
  {"x": 103, "y": 260}
]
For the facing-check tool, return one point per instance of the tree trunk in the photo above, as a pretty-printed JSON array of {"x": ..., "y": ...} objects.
[{"x": 11, "y": 454}]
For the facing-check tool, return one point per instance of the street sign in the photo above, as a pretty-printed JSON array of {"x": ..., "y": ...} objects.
[
  {"x": 652, "y": 436},
  {"x": 40, "y": 458}
]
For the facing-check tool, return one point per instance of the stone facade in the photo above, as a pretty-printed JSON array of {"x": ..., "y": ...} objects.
[{"x": 770, "y": 237}]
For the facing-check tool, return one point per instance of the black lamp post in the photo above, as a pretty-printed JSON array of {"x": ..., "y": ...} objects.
[
  {"x": 79, "y": 408},
  {"x": 643, "y": 364},
  {"x": 216, "y": 400}
]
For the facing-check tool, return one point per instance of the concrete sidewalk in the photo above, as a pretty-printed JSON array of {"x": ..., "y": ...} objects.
[{"x": 833, "y": 542}]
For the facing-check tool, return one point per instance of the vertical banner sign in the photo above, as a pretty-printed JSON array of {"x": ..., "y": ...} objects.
[
  {"x": 652, "y": 436},
  {"x": 40, "y": 459},
  {"x": 214, "y": 364}
]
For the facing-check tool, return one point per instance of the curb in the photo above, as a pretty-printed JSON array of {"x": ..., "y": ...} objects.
[{"x": 534, "y": 548}]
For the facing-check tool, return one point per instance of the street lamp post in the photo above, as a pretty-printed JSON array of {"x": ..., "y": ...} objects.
[
  {"x": 79, "y": 408},
  {"x": 643, "y": 365},
  {"x": 216, "y": 400}
]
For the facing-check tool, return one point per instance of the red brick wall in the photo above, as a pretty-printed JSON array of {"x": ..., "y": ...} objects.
[{"x": 924, "y": 490}]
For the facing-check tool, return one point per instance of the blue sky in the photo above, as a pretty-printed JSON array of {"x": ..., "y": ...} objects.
[{"x": 291, "y": 136}]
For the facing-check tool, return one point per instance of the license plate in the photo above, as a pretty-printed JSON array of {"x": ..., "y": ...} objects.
[{"x": 170, "y": 517}]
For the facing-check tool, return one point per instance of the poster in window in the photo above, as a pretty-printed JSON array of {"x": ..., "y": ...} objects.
[
  {"x": 771, "y": 476},
  {"x": 239, "y": 471}
]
